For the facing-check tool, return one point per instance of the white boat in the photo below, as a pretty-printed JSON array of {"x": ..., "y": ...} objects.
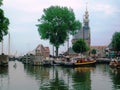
[{"x": 115, "y": 63}]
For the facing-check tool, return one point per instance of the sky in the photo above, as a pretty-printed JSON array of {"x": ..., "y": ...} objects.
[{"x": 24, "y": 14}]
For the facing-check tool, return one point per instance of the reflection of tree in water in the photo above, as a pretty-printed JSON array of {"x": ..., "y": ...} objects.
[
  {"x": 115, "y": 73},
  {"x": 81, "y": 80},
  {"x": 3, "y": 75},
  {"x": 3, "y": 71},
  {"x": 60, "y": 78},
  {"x": 40, "y": 73},
  {"x": 55, "y": 84},
  {"x": 43, "y": 76}
]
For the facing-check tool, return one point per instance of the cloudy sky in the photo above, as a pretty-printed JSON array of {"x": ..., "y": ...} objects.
[{"x": 23, "y": 16}]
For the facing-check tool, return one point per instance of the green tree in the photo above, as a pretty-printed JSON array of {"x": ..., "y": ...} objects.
[
  {"x": 56, "y": 23},
  {"x": 4, "y": 22},
  {"x": 116, "y": 41},
  {"x": 80, "y": 46},
  {"x": 1, "y": 2}
]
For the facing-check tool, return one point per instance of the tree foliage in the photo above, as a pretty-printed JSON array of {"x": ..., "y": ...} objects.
[
  {"x": 1, "y": 2},
  {"x": 93, "y": 51},
  {"x": 116, "y": 41},
  {"x": 56, "y": 23},
  {"x": 80, "y": 46},
  {"x": 4, "y": 22}
]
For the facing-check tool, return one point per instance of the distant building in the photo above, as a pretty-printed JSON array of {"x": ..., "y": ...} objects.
[
  {"x": 47, "y": 52},
  {"x": 42, "y": 51},
  {"x": 39, "y": 50},
  {"x": 36, "y": 56},
  {"x": 71, "y": 52},
  {"x": 100, "y": 50},
  {"x": 84, "y": 33}
]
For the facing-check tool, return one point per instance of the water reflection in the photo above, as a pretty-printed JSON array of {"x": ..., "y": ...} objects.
[
  {"x": 3, "y": 77},
  {"x": 3, "y": 71},
  {"x": 49, "y": 78},
  {"x": 23, "y": 77},
  {"x": 81, "y": 78},
  {"x": 59, "y": 78},
  {"x": 115, "y": 76}
]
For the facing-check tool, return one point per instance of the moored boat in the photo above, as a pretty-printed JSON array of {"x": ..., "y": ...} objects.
[
  {"x": 79, "y": 61},
  {"x": 68, "y": 62},
  {"x": 47, "y": 62},
  {"x": 115, "y": 63},
  {"x": 118, "y": 65}
]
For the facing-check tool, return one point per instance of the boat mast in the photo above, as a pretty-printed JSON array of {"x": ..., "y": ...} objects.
[
  {"x": 9, "y": 44},
  {"x": 68, "y": 43}
]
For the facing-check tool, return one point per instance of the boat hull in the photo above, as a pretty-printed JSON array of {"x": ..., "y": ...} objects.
[
  {"x": 85, "y": 64},
  {"x": 115, "y": 64},
  {"x": 92, "y": 63}
]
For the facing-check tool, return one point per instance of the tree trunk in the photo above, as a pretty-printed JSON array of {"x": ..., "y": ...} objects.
[{"x": 56, "y": 51}]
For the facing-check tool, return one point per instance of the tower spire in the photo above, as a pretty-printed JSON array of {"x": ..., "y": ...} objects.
[
  {"x": 86, "y": 6},
  {"x": 86, "y": 28},
  {"x": 86, "y": 17}
]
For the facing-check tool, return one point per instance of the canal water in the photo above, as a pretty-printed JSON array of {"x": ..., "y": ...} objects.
[{"x": 23, "y": 77}]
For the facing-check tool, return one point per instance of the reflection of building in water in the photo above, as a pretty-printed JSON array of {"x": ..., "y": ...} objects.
[
  {"x": 84, "y": 69},
  {"x": 3, "y": 71},
  {"x": 4, "y": 78},
  {"x": 60, "y": 78}
]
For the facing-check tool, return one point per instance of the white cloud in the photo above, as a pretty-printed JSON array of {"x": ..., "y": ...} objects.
[
  {"x": 38, "y": 5},
  {"x": 23, "y": 15},
  {"x": 104, "y": 8}
]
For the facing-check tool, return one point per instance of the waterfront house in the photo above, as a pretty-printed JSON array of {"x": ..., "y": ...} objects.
[
  {"x": 100, "y": 51},
  {"x": 41, "y": 53}
]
